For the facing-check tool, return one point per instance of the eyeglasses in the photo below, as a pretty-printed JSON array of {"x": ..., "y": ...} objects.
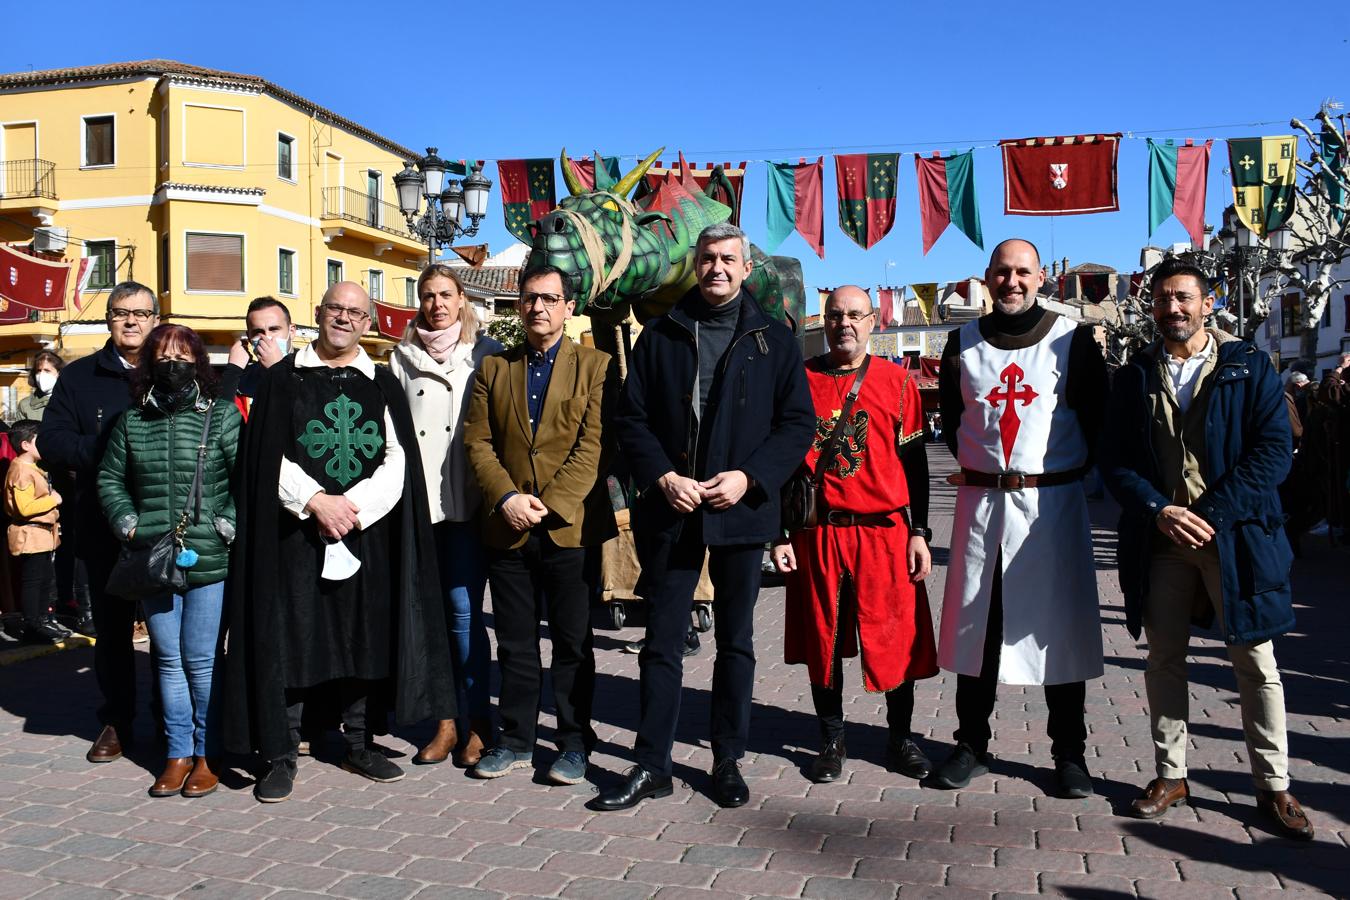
[
  {"x": 337, "y": 312},
  {"x": 117, "y": 314},
  {"x": 1179, "y": 299},
  {"x": 550, "y": 301},
  {"x": 836, "y": 318}
]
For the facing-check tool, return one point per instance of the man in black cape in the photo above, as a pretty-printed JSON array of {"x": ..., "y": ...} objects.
[{"x": 333, "y": 579}]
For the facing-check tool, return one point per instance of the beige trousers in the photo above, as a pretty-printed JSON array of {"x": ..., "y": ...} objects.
[{"x": 1179, "y": 580}]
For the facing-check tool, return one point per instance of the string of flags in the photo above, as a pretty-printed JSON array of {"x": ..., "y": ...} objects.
[{"x": 1042, "y": 176}]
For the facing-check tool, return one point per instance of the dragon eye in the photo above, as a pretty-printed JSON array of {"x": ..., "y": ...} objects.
[{"x": 559, "y": 225}]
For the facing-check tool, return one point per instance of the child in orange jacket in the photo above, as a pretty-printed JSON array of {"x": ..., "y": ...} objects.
[{"x": 33, "y": 534}]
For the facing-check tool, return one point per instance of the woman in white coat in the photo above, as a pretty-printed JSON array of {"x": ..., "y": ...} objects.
[{"x": 435, "y": 362}]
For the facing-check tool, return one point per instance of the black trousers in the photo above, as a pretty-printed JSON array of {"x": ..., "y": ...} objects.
[
  {"x": 542, "y": 574},
  {"x": 672, "y": 565},
  {"x": 37, "y": 585},
  {"x": 352, "y": 694},
  {"x": 114, "y": 652},
  {"x": 829, "y": 701},
  {"x": 975, "y": 696}
]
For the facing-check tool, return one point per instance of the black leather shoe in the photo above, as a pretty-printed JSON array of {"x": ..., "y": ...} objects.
[
  {"x": 963, "y": 765},
  {"x": 277, "y": 784},
  {"x": 638, "y": 785},
  {"x": 692, "y": 646},
  {"x": 1072, "y": 779},
  {"x": 828, "y": 765},
  {"x": 373, "y": 765},
  {"x": 729, "y": 788},
  {"x": 907, "y": 759}
]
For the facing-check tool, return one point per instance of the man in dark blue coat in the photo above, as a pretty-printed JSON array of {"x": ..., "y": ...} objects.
[
  {"x": 1197, "y": 443},
  {"x": 90, "y": 395},
  {"x": 715, "y": 416}
]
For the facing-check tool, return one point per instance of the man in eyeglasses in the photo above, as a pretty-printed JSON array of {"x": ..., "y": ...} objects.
[
  {"x": 854, "y": 582},
  {"x": 535, "y": 437},
  {"x": 334, "y": 571},
  {"x": 89, "y": 397}
]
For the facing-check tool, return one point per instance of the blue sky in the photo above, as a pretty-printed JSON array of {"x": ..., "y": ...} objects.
[{"x": 761, "y": 81}]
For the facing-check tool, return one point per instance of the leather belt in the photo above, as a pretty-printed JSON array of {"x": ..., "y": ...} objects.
[
  {"x": 1013, "y": 481},
  {"x": 876, "y": 520}
]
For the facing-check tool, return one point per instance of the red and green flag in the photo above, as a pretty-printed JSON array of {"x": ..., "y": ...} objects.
[
  {"x": 796, "y": 202},
  {"x": 597, "y": 178},
  {"x": 947, "y": 197},
  {"x": 866, "y": 195},
  {"x": 1263, "y": 180},
  {"x": 527, "y": 193},
  {"x": 1177, "y": 180}
]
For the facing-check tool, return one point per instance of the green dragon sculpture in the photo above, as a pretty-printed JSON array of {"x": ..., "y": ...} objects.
[{"x": 624, "y": 256}]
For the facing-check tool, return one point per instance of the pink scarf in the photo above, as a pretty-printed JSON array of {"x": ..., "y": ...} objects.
[{"x": 439, "y": 344}]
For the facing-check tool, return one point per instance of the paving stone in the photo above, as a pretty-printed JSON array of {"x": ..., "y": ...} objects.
[
  {"x": 725, "y": 857},
  {"x": 899, "y": 871},
  {"x": 602, "y": 889},
  {"x": 375, "y": 887},
  {"x": 751, "y": 883}
]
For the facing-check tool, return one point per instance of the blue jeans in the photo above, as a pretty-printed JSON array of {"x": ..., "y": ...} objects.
[
  {"x": 463, "y": 578},
  {"x": 185, "y": 637}
]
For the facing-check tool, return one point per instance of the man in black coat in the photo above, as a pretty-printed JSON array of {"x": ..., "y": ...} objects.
[
  {"x": 715, "y": 416},
  {"x": 88, "y": 398},
  {"x": 333, "y": 581}
]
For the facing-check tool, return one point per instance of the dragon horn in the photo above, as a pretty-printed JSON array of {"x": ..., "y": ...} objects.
[
  {"x": 629, "y": 181},
  {"x": 574, "y": 185}
]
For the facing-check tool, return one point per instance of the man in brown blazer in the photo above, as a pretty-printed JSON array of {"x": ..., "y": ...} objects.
[{"x": 534, "y": 438}]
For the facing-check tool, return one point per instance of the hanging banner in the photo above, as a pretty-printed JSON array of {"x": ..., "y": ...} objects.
[
  {"x": 1060, "y": 176},
  {"x": 1263, "y": 180},
  {"x": 926, "y": 294},
  {"x": 891, "y": 303},
  {"x": 527, "y": 193},
  {"x": 947, "y": 196},
  {"x": 392, "y": 321},
  {"x": 585, "y": 170},
  {"x": 1177, "y": 180},
  {"x": 32, "y": 283},
  {"x": 796, "y": 202},
  {"x": 866, "y": 183}
]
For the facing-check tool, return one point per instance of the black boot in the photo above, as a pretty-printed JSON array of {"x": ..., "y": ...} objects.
[{"x": 277, "y": 783}]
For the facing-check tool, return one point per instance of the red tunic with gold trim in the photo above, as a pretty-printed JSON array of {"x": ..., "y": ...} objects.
[{"x": 895, "y": 627}]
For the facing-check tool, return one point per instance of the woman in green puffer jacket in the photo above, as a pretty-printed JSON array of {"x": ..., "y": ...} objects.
[{"x": 144, "y": 484}]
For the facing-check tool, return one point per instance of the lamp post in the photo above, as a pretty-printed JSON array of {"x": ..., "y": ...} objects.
[
  {"x": 442, "y": 221},
  {"x": 1238, "y": 252}
]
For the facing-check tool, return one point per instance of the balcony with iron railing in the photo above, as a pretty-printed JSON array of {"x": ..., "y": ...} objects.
[
  {"x": 351, "y": 205},
  {"x": 22, "y": 179}
]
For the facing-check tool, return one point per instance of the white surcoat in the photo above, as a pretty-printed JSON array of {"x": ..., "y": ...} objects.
[{"x": 1016, "y": 419}]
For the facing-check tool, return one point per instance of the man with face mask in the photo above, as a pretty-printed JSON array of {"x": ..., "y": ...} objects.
[
  {"x": 86, "y": 401},
  {"x": 1022, "y": 390},
  {"x": 334, "y": 580},
  {"x": 270, "y": 337},
  {"x": 1197, "y": 442}
]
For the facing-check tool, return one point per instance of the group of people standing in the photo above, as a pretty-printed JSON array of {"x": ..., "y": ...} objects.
[{"x": 343, "y": 543}]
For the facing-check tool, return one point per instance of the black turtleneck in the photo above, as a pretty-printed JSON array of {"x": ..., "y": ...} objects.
[
  {"x": 1086, "y": 382},
  {"x": 716, "y": 326}
]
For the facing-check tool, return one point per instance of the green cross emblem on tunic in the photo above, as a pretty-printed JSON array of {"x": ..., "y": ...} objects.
[{"x": 345, "y": 439}]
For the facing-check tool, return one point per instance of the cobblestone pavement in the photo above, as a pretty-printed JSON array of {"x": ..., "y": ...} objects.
[{"x": 68, "y": 828}]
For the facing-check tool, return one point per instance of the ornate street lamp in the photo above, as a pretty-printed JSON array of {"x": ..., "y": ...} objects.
[
  {"x": 447, "y": 203},
  {"x": 1240, "y": 254}
]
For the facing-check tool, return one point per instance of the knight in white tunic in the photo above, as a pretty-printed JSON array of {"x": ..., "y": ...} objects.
[{"x": 1022, "y": 393}]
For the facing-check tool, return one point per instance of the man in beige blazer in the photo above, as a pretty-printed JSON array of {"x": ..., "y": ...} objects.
[{"x": 534, "y": 437}]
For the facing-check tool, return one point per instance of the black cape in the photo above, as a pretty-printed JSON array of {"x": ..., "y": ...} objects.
[{"x": 420, "y": 685}]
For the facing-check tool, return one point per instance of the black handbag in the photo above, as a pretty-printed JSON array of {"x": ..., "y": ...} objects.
[
  {"x": 801, "y": 499},
  {"x": 143, "y": 572}
]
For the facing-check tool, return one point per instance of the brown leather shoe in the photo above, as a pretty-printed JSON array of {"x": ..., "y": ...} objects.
[
  {"x": 440, "y": 746},
  {"x": 174, "y": 776},
  {"x": 1161, "y": 795},
  {"x": 1285, "y": 814},
  {"x": 475, "y": 742},
  {"x": 203, "y": 779},
  {"x": 107, "y": 747}
]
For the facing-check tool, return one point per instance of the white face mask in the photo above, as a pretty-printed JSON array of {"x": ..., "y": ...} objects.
[
  {"x": 283, "y": 344},
  {"x": 45, "y": 381}
]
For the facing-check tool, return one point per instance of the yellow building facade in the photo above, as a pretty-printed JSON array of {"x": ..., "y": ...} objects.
[{"x": 210, "y": 187}]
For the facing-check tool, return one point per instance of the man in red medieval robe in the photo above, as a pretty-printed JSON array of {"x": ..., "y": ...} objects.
[{"x": 854, "y": 582}]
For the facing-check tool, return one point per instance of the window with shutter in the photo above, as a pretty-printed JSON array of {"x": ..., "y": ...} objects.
[
  {"x": 98, "y": 141},
  {"x": 215, "y": 262}
]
